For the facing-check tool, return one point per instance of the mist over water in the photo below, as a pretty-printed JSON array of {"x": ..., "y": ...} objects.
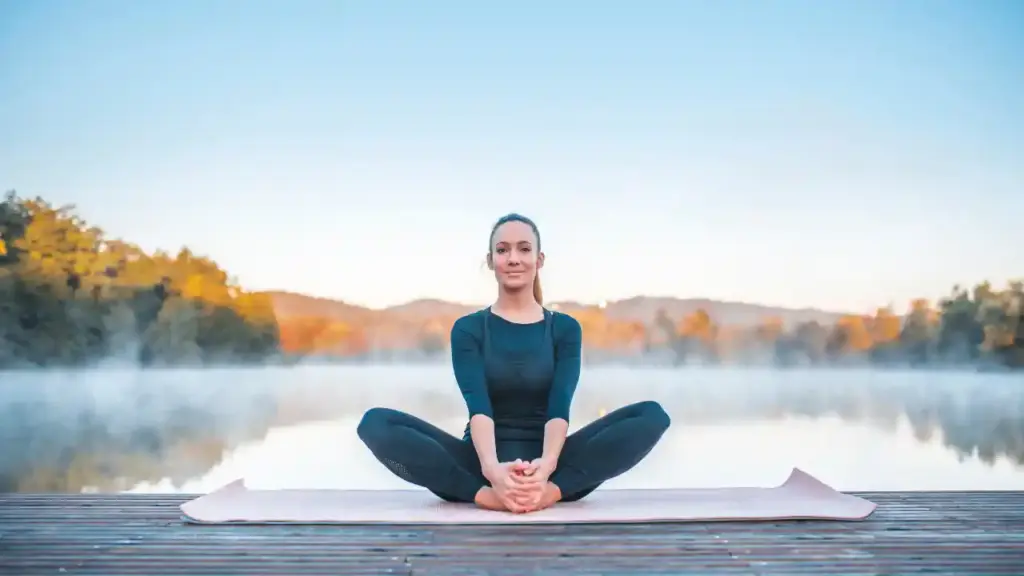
[{"x": 193, "y": 430}]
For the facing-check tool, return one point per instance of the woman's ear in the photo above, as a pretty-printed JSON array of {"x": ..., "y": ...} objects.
[
  {"x": 490, "y": 262},
  {"x": 540, "y": 260}
]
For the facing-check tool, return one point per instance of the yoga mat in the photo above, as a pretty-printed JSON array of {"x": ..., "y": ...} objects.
[{"x": 801, "y": 496}]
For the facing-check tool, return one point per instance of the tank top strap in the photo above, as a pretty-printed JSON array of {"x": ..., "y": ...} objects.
[
  {"x": 549, "y": 328},
  {"x": 486, "y": 334}
]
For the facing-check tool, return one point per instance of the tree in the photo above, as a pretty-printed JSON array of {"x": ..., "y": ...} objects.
[{"x": 71, "y": 296}]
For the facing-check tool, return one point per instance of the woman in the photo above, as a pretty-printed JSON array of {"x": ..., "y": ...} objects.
[{"x": 517, "y": 365}]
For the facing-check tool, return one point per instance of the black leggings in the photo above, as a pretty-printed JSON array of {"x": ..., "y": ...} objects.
[{"x": 424, "y": 455}]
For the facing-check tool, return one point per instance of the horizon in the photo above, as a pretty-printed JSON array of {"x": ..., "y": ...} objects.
[
  {"x": 601, "y": 304},
  {"x": 848, "y": 157}
]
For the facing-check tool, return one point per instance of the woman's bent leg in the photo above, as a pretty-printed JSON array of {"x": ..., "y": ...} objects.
[
  {"x": 422, "y": 454},
  {"x": 608, "y": 447}
]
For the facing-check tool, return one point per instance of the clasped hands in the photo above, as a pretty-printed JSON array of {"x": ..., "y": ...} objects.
[{"x": 522, "y": 486}]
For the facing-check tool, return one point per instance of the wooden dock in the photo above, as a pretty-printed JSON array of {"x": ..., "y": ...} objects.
[{"x": 910, "y": 533}]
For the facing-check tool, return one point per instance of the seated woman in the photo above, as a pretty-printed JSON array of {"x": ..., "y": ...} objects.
[{"x": 517, "y": 365}]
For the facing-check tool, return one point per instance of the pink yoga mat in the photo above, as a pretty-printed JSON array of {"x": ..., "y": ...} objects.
[{"x": 801, "y": 496}]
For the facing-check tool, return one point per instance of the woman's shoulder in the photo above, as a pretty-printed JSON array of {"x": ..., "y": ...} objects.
[
  {"x": 471, "y": 324},
  {"x": 565, "y": 326}
]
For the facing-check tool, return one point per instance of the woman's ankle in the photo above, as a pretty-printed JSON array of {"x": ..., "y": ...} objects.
[
  {"x": 553, "y": 492},
  {"x": 487, "y": 499}
]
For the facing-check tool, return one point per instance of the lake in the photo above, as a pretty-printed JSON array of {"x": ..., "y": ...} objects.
[{"x": 196, "y": 430}]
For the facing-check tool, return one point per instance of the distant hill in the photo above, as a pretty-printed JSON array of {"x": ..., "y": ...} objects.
[
  {"x": 292, "y": 305},
  {"x": 644, "y": 309},
  {"x": 639, "y": 308}
]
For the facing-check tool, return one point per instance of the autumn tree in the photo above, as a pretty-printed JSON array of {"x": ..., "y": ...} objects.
[
  {"x": 918, "y": 332},
  {"x": 696, "y": 336},
  {"x": 849, "y": 337},
  {"x": 71, "y": 296},
  {"x": 884, "y": 330}
]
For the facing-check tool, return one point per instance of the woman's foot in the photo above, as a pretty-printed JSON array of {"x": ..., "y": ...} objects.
[
  {"x": 487, "y": 499},
  {"x": 551, "y": 495}
]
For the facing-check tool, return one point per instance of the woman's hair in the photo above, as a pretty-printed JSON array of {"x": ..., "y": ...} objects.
[{"x": 538, "y": 294}]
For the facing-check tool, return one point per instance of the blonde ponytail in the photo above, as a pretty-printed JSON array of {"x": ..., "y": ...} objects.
[{"x": 538, "y": 294}]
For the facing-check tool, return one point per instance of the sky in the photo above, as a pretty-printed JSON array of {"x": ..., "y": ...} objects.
[{"x": 840, "y": 155}]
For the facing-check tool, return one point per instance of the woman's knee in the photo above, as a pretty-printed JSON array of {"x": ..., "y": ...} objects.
[
  {"x": 374, "y": 425},
  {"x": 651, "y": 412}
]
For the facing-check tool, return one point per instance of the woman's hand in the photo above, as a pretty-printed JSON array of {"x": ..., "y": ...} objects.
[
  {"x": 504, "y": 481},
  {"x": 539, "y": 470},
  {"x": 532, "y": 480}
]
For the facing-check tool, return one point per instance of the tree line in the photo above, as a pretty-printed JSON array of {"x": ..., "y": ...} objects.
[
  {"x": 983, "y": 327},
  {"x": 70, "y": 296}
]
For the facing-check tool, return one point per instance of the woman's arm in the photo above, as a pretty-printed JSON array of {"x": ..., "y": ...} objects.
[
  {"x": 555, "y": 432},
  {"x": 481, "y": 428},
  {"x": 468, "y": 365},
  {"x": 568, "y": 348}
]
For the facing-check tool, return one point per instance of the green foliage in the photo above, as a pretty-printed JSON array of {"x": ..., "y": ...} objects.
[
  {"x": 983, "y": 327},
  {"x": 70, "y": 297}
]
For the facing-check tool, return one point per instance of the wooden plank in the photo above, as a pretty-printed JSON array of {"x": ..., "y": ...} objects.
[{"x": 113, "y": 534}]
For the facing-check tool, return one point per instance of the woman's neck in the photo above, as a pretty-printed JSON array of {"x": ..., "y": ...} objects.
[{"x": 518, "y": 306}]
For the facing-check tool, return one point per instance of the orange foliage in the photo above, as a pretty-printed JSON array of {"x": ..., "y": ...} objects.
[
  {"x": 922, "y": 308},
  {"x": 599, "y": 332},
  {"x": 697, "y": 325},
  {"x": 858, "y": 337},
  {"x": 321, "y": 336},
  {"x": 885, "y": 327}
]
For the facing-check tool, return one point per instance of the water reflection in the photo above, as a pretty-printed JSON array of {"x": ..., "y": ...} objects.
[{"x": 196, "y": 430}]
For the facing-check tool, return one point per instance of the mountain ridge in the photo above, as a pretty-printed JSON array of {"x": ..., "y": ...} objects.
[{"x": 641, "y": 308}]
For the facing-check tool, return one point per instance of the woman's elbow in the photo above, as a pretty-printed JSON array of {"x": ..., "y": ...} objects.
[
  {"x": 557, "y": 423},
  {"x": 480, "y": 417}
]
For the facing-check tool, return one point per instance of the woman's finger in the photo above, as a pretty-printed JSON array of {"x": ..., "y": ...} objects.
[
  {"x": 518, "y": 493},
  {"x": 528, "y": 480},
  {"x": 514, "y": 506}
]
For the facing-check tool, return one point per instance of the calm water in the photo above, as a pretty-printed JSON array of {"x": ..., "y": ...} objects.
[{"x": 193, "y": 431}]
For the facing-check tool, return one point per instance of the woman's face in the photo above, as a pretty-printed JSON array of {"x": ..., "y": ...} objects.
[{"x": 514, "y": 256}]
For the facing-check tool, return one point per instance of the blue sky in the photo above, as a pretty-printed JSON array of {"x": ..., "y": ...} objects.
[{"x": 805, "y": 153}]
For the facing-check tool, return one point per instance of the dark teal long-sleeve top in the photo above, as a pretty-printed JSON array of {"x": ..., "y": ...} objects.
[{"x": 522, "y": 376}]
